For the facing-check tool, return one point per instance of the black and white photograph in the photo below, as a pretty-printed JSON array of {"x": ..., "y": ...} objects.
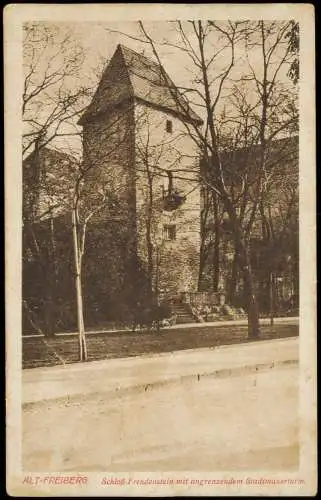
[{"x": 160, "y": 196}]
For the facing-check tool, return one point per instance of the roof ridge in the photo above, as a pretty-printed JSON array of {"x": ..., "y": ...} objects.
[
  {"x": 46, "y": 149},
  {"x": 166, "y": 80},
  {"x": 122, "y": 46},
  {"x": 146, "y": 79}
]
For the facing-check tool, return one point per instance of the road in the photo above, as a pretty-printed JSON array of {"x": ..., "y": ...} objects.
[
  {"x": 229, "y": 416},
  {"x": 121, "y": 374}
]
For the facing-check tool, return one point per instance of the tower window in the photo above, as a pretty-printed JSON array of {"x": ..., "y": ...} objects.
[
  {"x": 169, "y": 126},
  {"x": 170, "y": 232}
]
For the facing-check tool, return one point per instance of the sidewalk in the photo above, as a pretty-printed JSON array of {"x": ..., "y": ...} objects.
[
  {"x": 238, "y": 322},
  {"x": 144, "y": 372}
]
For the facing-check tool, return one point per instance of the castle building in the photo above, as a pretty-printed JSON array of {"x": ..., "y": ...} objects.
[
  {"x": 273, "y": 239},
  {"x": 137, "y": 145},
  {"x": 161, "y": 234}
]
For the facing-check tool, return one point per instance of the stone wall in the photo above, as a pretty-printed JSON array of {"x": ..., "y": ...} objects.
[
  {"x": 109, "y": 153},
  {"x": 108, "y": 148},
  {"x": 159, "y": 151}
]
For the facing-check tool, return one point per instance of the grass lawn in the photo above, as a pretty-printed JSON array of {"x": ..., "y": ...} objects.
[{"x": 52, "y": 351}]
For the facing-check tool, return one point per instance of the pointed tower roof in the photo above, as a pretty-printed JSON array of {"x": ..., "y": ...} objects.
[{"x": 129, "y": 75}]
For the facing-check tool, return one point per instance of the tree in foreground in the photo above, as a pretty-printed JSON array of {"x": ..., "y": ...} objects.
[{"x": 268, "y": 112}]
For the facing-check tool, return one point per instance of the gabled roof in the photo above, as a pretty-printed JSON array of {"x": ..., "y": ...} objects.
[
  {"x": 129, "y": 75},
  {"x": 51, "y": 154},
  {"x": 281, "y": 154},
  {"x": 282, "y": 157}
]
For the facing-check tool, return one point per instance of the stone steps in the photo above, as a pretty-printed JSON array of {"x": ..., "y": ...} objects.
[{"x": 182, "y": 314}]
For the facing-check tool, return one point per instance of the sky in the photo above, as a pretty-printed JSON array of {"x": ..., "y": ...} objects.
[{"x": 99, "y": 41}]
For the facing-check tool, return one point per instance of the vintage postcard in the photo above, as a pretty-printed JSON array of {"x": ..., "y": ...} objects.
[{"x": 160, "y": 250}]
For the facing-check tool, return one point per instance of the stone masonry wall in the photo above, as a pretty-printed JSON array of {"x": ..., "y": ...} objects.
[
  {"x": 109, "y": 146},
  {"x": 157, "y": 151},
  {"x": 132, "y": 151},
  {"x": 109, "y": 149}
]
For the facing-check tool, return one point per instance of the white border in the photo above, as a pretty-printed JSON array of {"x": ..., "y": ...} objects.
[{"x": 14, "y": 16}]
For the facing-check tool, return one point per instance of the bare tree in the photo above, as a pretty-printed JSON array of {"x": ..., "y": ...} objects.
[
  {"x": 160, "y": 182},
  {"x": 244, "y": 154},
  {"x": 212, "y": 214},
  {"x": 60, "y": 186},
  {"x": 157, "y": 162},
  {"x": 147, "y": 175},
  {"x": 293, "y": 36},
  {"x": 67, "y": 190},
  {"x": 207, "y": 139},
  {"x": 85, "y": 204},
  {"x": 53, "y": 94},
  {"x": 279, "y": 216},
  {"x": 196, "y": 40},
  {"x": 53, "y": 99}
]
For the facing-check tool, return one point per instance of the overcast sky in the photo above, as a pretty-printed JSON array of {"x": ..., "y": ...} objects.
[{"x": 99, "y": 41}]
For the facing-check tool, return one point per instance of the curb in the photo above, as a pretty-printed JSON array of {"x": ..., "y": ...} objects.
[
  {"x": 152, "y": 355},
  {"x": 116, "y": 392}
]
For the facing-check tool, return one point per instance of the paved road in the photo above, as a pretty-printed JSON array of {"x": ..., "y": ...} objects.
[
  {"x": 121, "y": 374},
  {"x": 238, "y": 423},
  {"x": 234, "y": 419}
]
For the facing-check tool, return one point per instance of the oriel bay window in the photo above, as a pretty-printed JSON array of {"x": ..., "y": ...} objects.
[{"x": 173, "y": 199}]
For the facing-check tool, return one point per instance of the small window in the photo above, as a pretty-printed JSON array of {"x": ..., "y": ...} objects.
[
  {"x": 170, "y": 232},
  {"x": 169, "y": 126}
]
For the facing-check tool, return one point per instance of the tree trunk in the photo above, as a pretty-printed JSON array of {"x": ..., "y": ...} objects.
[
  {"x": 271, "y": 295},
  {"x": 149, "y": 221},
  {"x": 251, "y": 301},
  {"x": 157, "y": 289},
  {"x": 242, "y": 246},
  {"x": 216, "y": 266},
  {"x": 232, "y": 287},
  {"x": 200, "y": 276},
  {"x": 51, "y": 273},
  {"x": 216, "y": 249},
  {"x": 252, "y": 307},
  {"x": 79, "y": 298},
  {"x": 201, "y": 267},
  {"x": 150, "y": 264},
  {"x": 48, "y": 313}
]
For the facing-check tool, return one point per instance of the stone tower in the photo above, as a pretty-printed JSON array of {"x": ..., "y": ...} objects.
[{"x": 135, "y": 135}]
